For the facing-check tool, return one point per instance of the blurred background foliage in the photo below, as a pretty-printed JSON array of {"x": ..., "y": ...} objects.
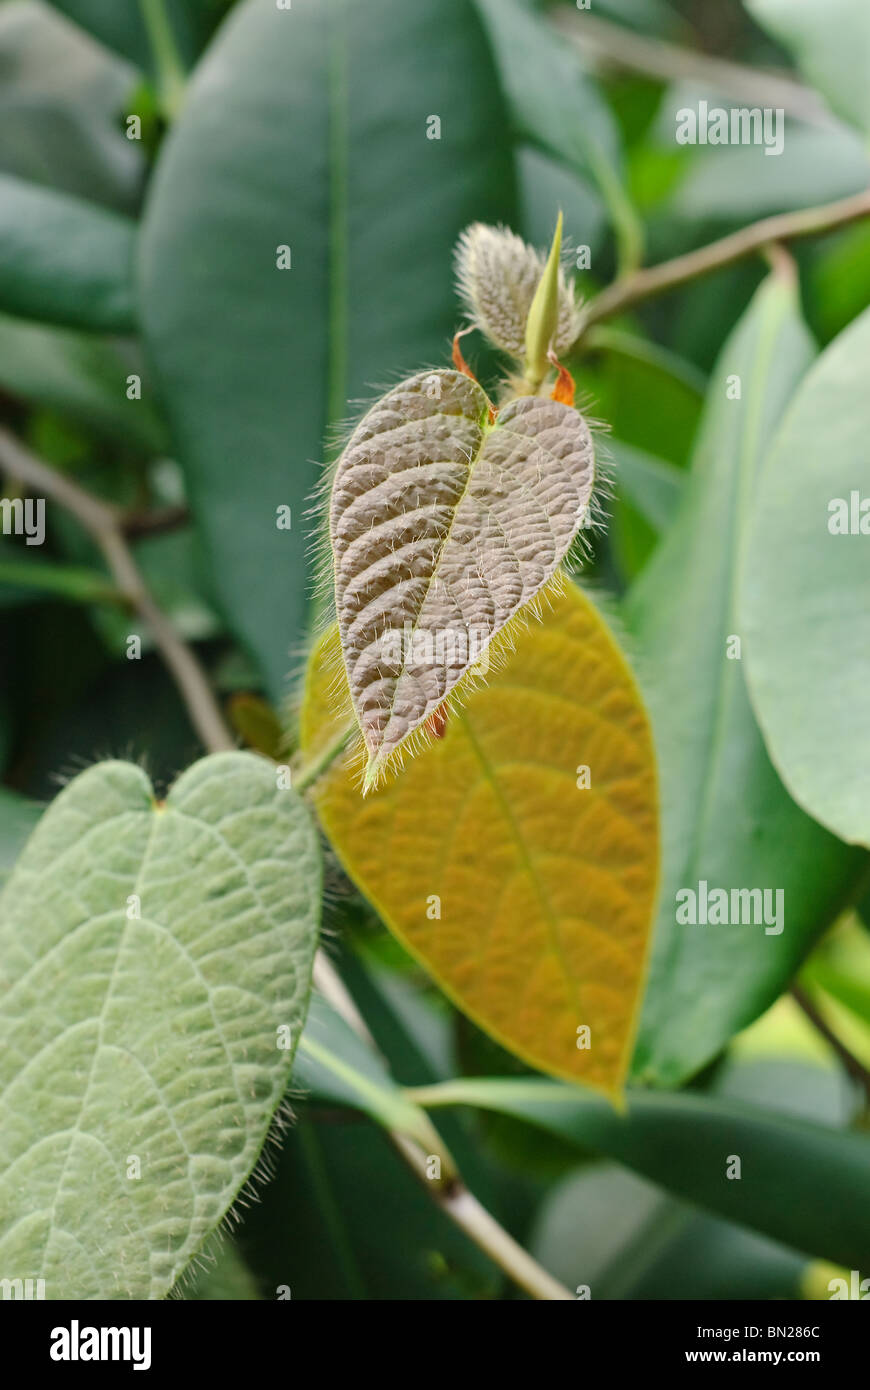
[{"x": 155, "y": 257}]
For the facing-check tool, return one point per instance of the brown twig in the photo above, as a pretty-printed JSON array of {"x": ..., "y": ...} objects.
[
  {"x": 612, "y": 45},
  {"x": 855, "y": 1069},
  {"x": 103, "y": 523},
  {"x": 155, "y": 522},
  {"x": 624, "y": 293}
]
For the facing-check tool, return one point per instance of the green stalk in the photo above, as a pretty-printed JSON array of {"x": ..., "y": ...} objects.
[{"x": 171, "y": 76}]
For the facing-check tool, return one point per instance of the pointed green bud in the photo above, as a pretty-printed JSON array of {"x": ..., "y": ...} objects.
[{"x": 542, "y": 324}]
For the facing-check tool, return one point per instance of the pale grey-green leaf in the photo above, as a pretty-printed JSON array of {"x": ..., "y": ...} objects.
[
  {"x": 153, "y": 1037},
  {"x": 805, "y": 607},
  {"x": 831, "y": 44}
]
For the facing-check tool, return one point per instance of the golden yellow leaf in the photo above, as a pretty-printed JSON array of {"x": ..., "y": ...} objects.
[{"x": 545, "y": 887}]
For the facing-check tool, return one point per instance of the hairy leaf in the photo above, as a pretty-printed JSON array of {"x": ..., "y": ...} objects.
[
  {"x": 527, "y": 897},
  {"x": 150, "y": 954},
  {"x": 443, "y": 525},
  {"x": 498, "y": 275}
]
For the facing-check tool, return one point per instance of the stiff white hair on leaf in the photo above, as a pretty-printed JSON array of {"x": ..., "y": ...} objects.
[{"x": 445, "y": 521}]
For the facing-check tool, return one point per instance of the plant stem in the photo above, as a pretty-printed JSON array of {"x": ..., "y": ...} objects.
[
  {"x": 609, "y": 44},
  {"x": 104, "y": 523},
  {"x": 629, "y": 290},
  {"x": 855, "y": 1069},
  {"x": 169, "y": 69},
  {"x": 155, "y": 522},
  {"x": 324, "y": 760},
  {"x": 450, "y": 1194}
]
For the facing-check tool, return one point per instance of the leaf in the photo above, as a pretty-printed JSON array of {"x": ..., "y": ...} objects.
[
  {"x": 650, "y": 397},
  {"x": 804, "y": 603},
  {"x": 339, "y": 1069},
  {"x": 122, "y": 26},
  {"x": 545, "y": 891},
  {"x": 290, "y": 137},
  {"x": 838, "y": 280},
  {"x": 800, "y": 1183},
  {"x": 345, "y": 1218},
  {"x": 152, "y": 1037},
  {"x": 831, "y": 45},
  {"x": 739, "y": 183},
  {"x": 727, "y": 819},
  {"x": 24, "y": 579},
  {"x": 223, "y": 1278},
  {"x": 545, "y": 184},
  {"x": 82, "y": 376},
  {"x": 625, "y": 1239},
  {"x": 443, "y": 526},
  {"x": 61, "y": 102},
  {"x": 501, "y": 279},
  {"x": 63, "y": 260},
  {"x": 553, "y": 102},
  {"x": 18, "y": 816},
  {"x": 257, "y": 724}
]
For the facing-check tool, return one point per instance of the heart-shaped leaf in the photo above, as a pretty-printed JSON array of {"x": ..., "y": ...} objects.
[
  {"x": 155, "y": 963},
  {"x": 517, "y": 856},
  {"x": 443, "y": 526}
]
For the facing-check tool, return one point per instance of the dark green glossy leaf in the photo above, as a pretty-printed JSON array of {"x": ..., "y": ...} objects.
[
  {"x": 624, "y": 1238},
  {"x": 554, "y": 104},
  {"x": 63, "y": 260},
  {"x": 291, "y": 137},
  {"x": 120, "y": 24},
  {"x": 61, "y": 102},
  {"x": 83, "y": 376},
  {"x": 800, "y": 1183}
]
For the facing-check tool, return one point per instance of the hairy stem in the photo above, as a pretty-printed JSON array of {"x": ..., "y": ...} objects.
[{"x": 629, "y": 290}]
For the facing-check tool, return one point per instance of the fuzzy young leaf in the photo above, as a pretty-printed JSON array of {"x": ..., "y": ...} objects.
[
  {"x": 150, "y": 955},
  {"x": 443, "y": 526},
  {"x": 525, "y": 887},
  {"x": 498, "y": 275}
]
